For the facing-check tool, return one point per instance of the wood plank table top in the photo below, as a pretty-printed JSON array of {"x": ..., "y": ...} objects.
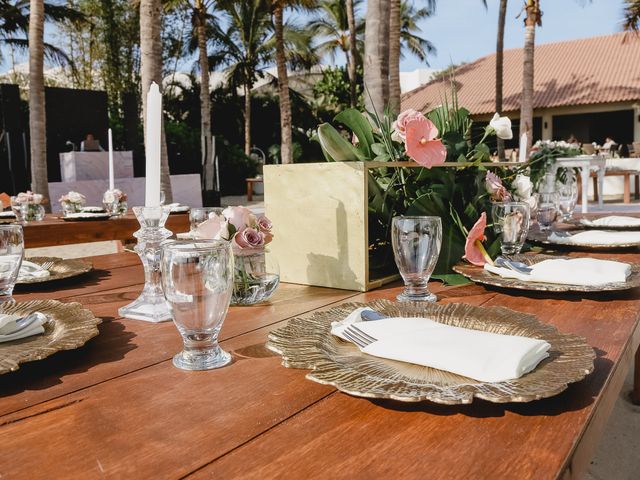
[
  {"x": 53, "y": 230},
  {"x": 117, "y": 408}
]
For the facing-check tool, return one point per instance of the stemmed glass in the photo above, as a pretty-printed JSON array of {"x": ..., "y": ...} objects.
[
  {"x": 547, "y": 210},
  {"x": 416, "y": 246},
  {"x": 11, "y": 254},
  {"x": 511, "y": 223},
  {"x": 567, "y": 197},
  {"x": 197, "y": 279}
]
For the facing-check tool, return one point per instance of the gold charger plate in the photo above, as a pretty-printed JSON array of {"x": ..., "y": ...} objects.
[
  {"x": 480, "y": 275},
  {"x": 536, "y": 236},
  {"x": 575, "y": 222},
  {"x": 306, "y": 342},
  {"x": 69, "y": 327},
  {"x": 60, "y": 269}
]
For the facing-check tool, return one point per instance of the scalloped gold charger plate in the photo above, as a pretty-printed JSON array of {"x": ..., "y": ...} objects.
[
  {"x": 480, "y": 275},
  {"x": 577, "y": 223},
  {"x": 61, "y": 269},
  {"x": 542, "y": 237},
  {"x": 69, "y": 327},
  {"x": 306, "y": 342}
]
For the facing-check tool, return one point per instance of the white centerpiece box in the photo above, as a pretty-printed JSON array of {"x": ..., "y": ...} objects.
[{"x": 322, "y": 227}]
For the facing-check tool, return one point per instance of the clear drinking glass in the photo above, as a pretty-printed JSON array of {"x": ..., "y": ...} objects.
[
  {"x": 511, "y": 223},
  {"x": 16, "y": 208},
  {"x": 198, "y": 215},
  {"x": 547, "y": 210},
  {"x": 11, "y": 254},
  {"x": 416, "y": 246},
  {"x": 197, "y": 279},
  {"x": 567, "y": 197}
]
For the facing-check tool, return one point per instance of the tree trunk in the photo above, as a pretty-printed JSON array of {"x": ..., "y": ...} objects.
[
  {"x": 526, "y": 108},
  {"x": 376, "y": 55},
  {"x": 247, "y": 119},
  {"x": 205, "y": 98},
  {"x": 352, "y": 54},
  {"x": 151, "y": 71},
  {"x": 500, "y": 67},
  {"x": 394, "y": 56},
  {"x": 37, "y": 118},
  {"x": 286, "y": 153}
]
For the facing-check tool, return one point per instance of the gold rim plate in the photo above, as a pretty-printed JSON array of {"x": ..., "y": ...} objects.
[
  {"x": 60, "y": 269},
  {"x": 306, "y": 342},
  {"x": 480, "y": 275},
  {"x": 69, "y": 327},
  {"x": 542, "y": 237},
  {"x": 575, "y": 222}
]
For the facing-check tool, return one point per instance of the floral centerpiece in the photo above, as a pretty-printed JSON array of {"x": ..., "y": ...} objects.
[
  {"x": 31, "y": 205},
  {"x": 115, "y": 202},
  {"x": 457, "y": 194},
  {"x": 255, "y": 280},
  {"x": 72, "y": 202},
  {"x": 543, "y": 155}
]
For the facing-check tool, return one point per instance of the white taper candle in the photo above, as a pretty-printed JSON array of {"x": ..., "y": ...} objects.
[
  {"x": 523, "y": 148},
  {"x": 111, "y": 183},
  {"x": 152, "y": 146}
]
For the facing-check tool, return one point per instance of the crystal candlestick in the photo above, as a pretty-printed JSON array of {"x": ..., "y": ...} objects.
[{"x": 151, "y": 305}]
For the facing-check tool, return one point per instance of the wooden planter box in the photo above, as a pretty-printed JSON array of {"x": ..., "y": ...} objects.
[{"x": 320, "y": 217}]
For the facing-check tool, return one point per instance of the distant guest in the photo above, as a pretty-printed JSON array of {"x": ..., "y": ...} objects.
[
  {"x": 609, "y": 143},
  {"x": 90, "y": 144},
  {"x": 573, "y": 140}
]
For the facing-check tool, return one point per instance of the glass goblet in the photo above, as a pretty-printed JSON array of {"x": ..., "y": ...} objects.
[
  {"x": 416, "y": 246},
  {"x": 11, "y": 255},
  {"x": 511, "y": 224},
  {"x": 547, "y": 210},
  {"x": 567, "y": 197},
  {"x": 197, "y": 279}
]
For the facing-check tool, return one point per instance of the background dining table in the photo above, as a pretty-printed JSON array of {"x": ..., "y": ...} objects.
[{"x": 118, "y": 408}]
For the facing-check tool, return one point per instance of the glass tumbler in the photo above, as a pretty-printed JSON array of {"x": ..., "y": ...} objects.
[
  {"x": 198, "y": 215},
  {"x": 511, "y": 224},
  {"x": 16, "y": 208},
  {"x": 547, "y": 210},
  {"x": 416, "y": 246},
  {"x": 11, "y": 254},
  {"x": 197, "y": 279},
  {"x": 567, "y": 197}
]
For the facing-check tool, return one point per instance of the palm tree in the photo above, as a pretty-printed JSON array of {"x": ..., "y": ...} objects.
[
  {"x": 533, "y": 18},
  {"x": 404, "y": 36},
  {"x": 631, "y": 15},
  {"x": 277, "y": 8},
  {"x": 352, "y": 66},
  {"x": 37, "y": 119},
  {"x": 376, "y": 55},
  {"x": 499, "y": 67},
  {"x": 151, "y": 71}
]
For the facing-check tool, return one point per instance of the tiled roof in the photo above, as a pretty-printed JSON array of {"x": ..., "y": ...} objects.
[{"x": 578, "y": 72}]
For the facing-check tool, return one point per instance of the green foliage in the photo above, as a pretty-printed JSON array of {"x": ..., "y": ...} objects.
[{"x": 331, "y": 92}]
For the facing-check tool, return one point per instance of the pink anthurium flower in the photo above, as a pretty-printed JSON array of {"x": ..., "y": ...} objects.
[
  {"x": 474, "y": 251},
  {"x": 422, "y": 144}
]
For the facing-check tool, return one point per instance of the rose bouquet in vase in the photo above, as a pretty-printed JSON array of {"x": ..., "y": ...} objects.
[
  {"x": 72, "y": 202},
  {"x": 256, "y": 275},
  {"x": 30, "y": 205},
  {"x": 115, "y": 202}
]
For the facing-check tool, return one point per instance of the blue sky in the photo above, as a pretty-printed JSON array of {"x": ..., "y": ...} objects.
[{"x": 463, "y": 30}]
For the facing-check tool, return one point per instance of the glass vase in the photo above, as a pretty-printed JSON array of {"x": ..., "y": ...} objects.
[
  {"x": 256, "y": 276},
  {"x": 70, "y": 207},
  {"x": 32, "y": 212}
]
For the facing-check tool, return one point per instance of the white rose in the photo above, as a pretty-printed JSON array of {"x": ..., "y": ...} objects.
[
  {"x": 37, "y": 198},
  {"x": 109, "y": 197},
  {"x": 523, "y": 186},
  {"x": 502, "y": 126},
  {"x": 75, "y": 197}
]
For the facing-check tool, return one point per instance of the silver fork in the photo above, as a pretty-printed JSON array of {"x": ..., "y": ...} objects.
[
  {"x": 47, "y": 265},
  {"x": 513, "y": 265},
  {"x": 357, "y": 336}
]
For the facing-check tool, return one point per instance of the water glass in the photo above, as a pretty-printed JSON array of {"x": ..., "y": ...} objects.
[
  {"x": 547, "y": 210},
  {"x": 197, "y": 279},
  {"x": 511, "y": 224},
  {"x": 198, "y": 215},
  {"x": 567, "y": 198},
  {"x": 16, "y": 208},
  {"x": 416, "y": 246},
  {"x": 11, "y": 254}
]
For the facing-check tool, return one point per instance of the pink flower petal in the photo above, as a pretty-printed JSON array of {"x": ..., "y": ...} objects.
[{"x": 472, "y": 253}]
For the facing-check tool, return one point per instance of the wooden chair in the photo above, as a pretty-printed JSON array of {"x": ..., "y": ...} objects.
[{"x": 588, "y": 149}]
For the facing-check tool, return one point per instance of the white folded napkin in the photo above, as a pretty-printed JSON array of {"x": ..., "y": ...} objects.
[
  {"x": 612, "y": 221},
  {"x": 597, "y": 237},
  {"x": 10, "y": 329},
  {"x": 32, "y": 270},
  {"x": 574, "y": 271},
  {"x": 483, "y": 356}
]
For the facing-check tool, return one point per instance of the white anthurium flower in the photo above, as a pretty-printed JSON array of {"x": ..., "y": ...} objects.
[
  {"x": 523, "y": 186},
  {"x": 502, "y": 126}
]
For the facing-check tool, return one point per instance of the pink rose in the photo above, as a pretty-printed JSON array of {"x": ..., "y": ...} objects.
[
  {"x": 400, "y": 125},
  {"x": 265, "y": 226},
  {"x": 249, "y": 238},
  {"x": 240, "y": 217},
  {"x": 216, "y": 228},
  {"x": 494, "y": 187}
]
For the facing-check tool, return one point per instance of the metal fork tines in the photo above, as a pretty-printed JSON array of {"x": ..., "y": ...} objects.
[
  {"x": 357, "y": 336},
  {"x": 47, "y": 265}
]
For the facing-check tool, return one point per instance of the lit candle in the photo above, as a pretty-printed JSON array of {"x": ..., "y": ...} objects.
[
  {"x": 111, "y": 186},
  {"x": 152, "y": 146},
  {"x": 523, "y": 147}
]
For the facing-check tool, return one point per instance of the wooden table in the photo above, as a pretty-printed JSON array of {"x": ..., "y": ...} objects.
[
  {"x": 117, "y": 408},
  {"x": 55, "y": 231},
  {"x": 250, "y": 184},
  {"x": 585, "y": 163}
]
